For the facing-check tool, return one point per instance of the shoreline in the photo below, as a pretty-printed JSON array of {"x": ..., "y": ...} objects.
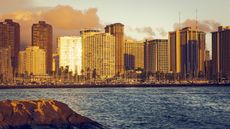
[{"x": 114, "y": 86}]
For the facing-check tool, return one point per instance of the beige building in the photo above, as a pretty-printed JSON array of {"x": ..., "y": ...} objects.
[
  {"x": 70, "y": 53},
  {"x": 98, "y": 54},
  {"x": 187, "y": 52},
  {"x": 156, "y": 56},
  {"x": 84, "y": 34},
  {"x": 32, "y": 61},
  {"x": 55, "y": 63},
  {"x": 6, "y": 73},
  {"x": 134, "y": 55},
  {"x": 117, "y": 30}
]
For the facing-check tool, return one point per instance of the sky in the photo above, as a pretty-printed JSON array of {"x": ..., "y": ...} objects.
[{"x": 143, "y": 19}]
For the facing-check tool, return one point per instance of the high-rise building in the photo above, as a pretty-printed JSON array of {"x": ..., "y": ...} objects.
[
  {"x": 55, "y": 64},
  {"x": 6, "y": 70},
  {"x": 207, "y": 55},
  {"x": 117, "y": 30},
  {"x": 134, "y": 55},
  {"x": 70, "y": 53},
  {"x": 32, "y": 61},
  {"x": 42, "y": 36},
  {"x": 208, "y": 65},
  {"x": 221, "y": 53},
  {"x": 99, "y": 54},
  {"x": 187, "y": 52},
  {"x": 10, "y": 37},
  {"x": 156, "y": 56},
  {"x": 84, "y": 34}
]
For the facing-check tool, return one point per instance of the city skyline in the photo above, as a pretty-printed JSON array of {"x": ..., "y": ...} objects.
[
  {"x": 102, "y": 49},
  {"x": 103, "y": 12},
  {"x": 119, "y": 64}
]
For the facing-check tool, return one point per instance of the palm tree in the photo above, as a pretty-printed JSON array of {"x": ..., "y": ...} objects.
[
  {"x": 82, "y": 75},
  {"x": 60, "y": 72},
  {"x": 66, "y": 71}
]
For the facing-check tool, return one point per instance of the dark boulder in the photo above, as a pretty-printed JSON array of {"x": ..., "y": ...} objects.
[{"x": 42, "y": 114}]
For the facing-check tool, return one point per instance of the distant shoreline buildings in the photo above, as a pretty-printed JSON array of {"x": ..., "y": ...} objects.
[
  {"x": 117, "y": 30},
  {"x": 221, "y": 53},
  {"x": 42, "y": 36},
  {"x": 156, "y": 56},
  {"x": 133, "y": 55},
  {"x": 70, "y": 53},
  {"x": 187, "y": 52},
  {"x": 107, "y": 55},
  {"x": 10, "y": 37},
  {"x": 32, "y": 61},
  {"x": 99, "y": 55}
]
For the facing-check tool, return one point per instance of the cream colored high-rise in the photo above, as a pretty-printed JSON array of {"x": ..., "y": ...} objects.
[
  {"x": 32, "y": 61},
  {"x": 5, "y": 64},
  {"x": 84, "y": 34},
  {"x": 99, "y": 54},
  {"x": 134, "y": 54},
  {"x": 117, "y": 30},
  {"x": 70, "y": 53}
]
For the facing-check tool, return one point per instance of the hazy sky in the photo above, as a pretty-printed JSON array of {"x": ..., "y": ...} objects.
[{"x": 142, "y": 18}]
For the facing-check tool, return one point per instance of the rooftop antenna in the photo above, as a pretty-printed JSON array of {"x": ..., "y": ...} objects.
[
  {"x": 196, "y": 21},
  {"x": 196, "y": 25},
  {"x": 179, "y": 20}
]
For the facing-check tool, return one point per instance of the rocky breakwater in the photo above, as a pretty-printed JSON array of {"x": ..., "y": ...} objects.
[{"x": 42, "y": 114}]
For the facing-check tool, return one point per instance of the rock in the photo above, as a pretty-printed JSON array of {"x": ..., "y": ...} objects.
[
  {"x": 1, "y": 117},
  {"x": 42, "y": 114}
]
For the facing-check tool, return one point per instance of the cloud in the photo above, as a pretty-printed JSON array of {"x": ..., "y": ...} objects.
[
  {"x": 162, "y": 32},
  {"x": 146, "y": 30},
  {"x": 127, "y": 37},
  {"x": 206, "y": 25},
  {"x": 8, "y": 5},
  {"x": 64, "y": 19}
]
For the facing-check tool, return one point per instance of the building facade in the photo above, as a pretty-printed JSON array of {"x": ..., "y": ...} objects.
[
  {"x": 187, "y": 52},
  {"x": 6, "y": 70},
  {"x": 42, "y": 36},
  {"x": 10, "y": 37},
  {"x": 156, "y": 56},
  {"x": 32, "y": 61},
  {"x": 117, "y": 30},
  {"x": 84, "y": 34},
  {"x": 55, "y": 64},
  {"x": 99, "y": 55},
  {"x": 134, "y": 55},
  {"x": 70, "y": 53},
  {"x": 221, "y": 53}
]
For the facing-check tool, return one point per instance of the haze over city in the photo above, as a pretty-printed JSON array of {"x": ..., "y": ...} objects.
[{"x": 143, "y": 19}]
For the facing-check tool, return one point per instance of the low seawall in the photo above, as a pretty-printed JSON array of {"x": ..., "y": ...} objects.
[{"x": 113, "y": 86}]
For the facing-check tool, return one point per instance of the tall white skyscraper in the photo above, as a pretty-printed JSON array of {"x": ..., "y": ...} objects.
[{"x": 70, "y": 53}]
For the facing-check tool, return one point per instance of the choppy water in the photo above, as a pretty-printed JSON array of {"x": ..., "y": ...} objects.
[{"x": 142, "y": 108}]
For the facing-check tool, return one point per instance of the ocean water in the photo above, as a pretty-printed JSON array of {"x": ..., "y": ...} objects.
[{"x": 142, "y": 108}]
